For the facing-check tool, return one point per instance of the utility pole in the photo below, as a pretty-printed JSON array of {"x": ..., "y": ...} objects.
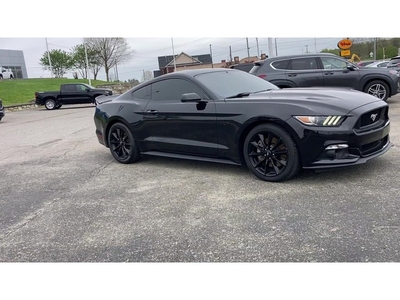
[
  {"x": 48, "y": 57},
  {"x": 173, "y": 54},
  {"x": 87, "y": 64},
  {"x": 276, "y": 48},
  {"x": 116, "y": 71},
  {"x": 212, "y": 65},
  {"x": 248, "y": 49},
  {"x": 258, "y": 51},
  {"x": 270, "y": 48},
  {"x": 315, "y": 44},
  {"x": 306, "y": 49},
  {"x": 230, "y": 53},
  {"x": 375, "y": 41}
]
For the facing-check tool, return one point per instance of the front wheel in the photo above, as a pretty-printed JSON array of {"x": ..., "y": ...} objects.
[
  {"x": 122, "y": 145},
  {"x": 271, "y": 153},
  {"x": 50, "y": 104},
  {"x": 378, "y": 89}
]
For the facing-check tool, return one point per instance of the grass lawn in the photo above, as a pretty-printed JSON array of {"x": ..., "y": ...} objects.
[{"x": 22, "y": 91}]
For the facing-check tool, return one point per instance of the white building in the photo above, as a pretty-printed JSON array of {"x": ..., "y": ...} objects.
[{"x": 14, "y": 60}]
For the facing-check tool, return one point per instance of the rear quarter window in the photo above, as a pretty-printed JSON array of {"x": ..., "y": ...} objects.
[{"x": 280, "y": 64}]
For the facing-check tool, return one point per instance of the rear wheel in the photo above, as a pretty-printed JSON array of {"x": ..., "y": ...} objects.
[
  {"x": 271, "y": 153},
  {"x": 122, "y": 145},
  {"x": 378, "y": 89},
  {"x": 50, "y": 104}
]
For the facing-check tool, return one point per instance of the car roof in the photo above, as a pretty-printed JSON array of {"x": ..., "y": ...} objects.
[
  {"x": 282, "y": 57},
  {"x": 396, "y": 57},
  {"x": 194, "y": 72}
]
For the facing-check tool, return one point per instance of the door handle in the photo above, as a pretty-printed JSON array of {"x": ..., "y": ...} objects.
[
  {"x": 329, "y": 73},
  {"x": 152, "y": 112},
  {"x": 292, "y": 75}
]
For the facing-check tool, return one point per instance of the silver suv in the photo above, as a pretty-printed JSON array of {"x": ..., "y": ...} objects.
[
  {"x": 394, "y": 63},
  {"x": 327, "y": 70}
]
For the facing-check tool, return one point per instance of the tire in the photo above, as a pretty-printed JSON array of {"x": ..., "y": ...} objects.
[
  {"x": 50, "y": 104},
  {"x": 378, "y": 89},
  {"x": 271, "y": 153},
  {"x": 122, "y": 145}
]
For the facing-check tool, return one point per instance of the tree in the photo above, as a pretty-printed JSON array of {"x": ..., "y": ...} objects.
[
  {"x": 333, "y": 51},
  {"x": 133, "y": 82},
  {"x": 79, "y": 60},
  {"x": 147, "y": 75},
  {"x": 61, "y": 62},
  {"x": 110, "y": 51}
]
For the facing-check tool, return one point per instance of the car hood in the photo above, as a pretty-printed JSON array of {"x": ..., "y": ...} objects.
[
  {"x": 377, "y": 71},
  {"x": 317, "y": 99}
]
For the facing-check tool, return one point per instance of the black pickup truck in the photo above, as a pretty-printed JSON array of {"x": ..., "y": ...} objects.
[{"x": 72, "y": 93}]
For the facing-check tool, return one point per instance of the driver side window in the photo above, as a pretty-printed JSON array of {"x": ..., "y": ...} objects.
[
  {"x": 333, "y": 63},
  {"x": 172, "y": 89}
]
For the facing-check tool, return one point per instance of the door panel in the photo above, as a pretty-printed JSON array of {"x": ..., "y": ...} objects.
[
  {"x": 174, "y": 126},
  {"x": 304, "y": 72},
  {"x": 336, "y": 73}
]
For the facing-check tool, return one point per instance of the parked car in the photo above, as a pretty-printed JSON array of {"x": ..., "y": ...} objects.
[
  {"x": 243, "y": 67},
  {"x": 247, "y": 120},
  {"x": 72, "y": 93},
  {"x": 394, "y": 63},
  {"x": 378, "y": 64},
  {"x": 365, "y": 63},
  {"x": 2, "y": 113},
  {"x": 326, "y": 70},
  {"x": 6, "y": 73}
]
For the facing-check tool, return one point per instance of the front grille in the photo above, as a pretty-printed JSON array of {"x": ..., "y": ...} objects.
[{"x": 372, "y": 119}]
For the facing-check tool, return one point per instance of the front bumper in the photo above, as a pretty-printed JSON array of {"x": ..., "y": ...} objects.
[{"x": 349, "y": 144}]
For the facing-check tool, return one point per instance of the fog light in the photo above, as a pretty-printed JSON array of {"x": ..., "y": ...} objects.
[
  {"x": 338, "y": 151},
  {"x": 337, "y": 146}
]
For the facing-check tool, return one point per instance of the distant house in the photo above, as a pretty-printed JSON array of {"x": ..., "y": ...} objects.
[
  {"x": 167, "y": 63},
  {"x": 184, "y": 61}
]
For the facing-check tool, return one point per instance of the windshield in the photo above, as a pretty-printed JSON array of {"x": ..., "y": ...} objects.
[
  {"x": 232, "y": 82},
  {"x": 89, "y": 86}
]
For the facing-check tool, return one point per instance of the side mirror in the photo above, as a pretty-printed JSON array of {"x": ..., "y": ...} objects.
[
  {"x": 87, "y": 90},
  {"x": 191, "y": 97},
  {"x": 350, "y": 67}
]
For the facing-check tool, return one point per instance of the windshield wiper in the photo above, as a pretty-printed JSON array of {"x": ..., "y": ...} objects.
[
  {"x": 267, "y": 90},
  {"x": 240, "y": 95}
]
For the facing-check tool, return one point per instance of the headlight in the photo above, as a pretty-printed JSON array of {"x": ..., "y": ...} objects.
[{"x": 320, "y": 120}]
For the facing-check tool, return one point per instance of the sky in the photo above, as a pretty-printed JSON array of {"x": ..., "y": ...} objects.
[
  {"x": 150, "y": 27},
  {"x": 146, "y": 50}
]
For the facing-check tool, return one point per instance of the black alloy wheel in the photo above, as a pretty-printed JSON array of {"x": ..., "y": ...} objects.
[
  {"x": 122, "y": 144},
  {"x": 271, "y": 153},
  {"x": 378, "y": 89}
]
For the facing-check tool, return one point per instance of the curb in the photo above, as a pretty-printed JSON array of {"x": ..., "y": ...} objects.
[{"x": 18, "y": 107}]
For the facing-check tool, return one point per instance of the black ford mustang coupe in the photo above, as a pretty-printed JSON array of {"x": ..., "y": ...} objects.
[{"x": 230, "y": 116}]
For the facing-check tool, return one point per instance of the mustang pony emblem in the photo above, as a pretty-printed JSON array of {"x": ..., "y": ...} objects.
[{"x": 373, "y": 117}]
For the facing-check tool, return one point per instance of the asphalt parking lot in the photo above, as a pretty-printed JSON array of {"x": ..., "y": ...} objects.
[{"x": 65, "y": 199}]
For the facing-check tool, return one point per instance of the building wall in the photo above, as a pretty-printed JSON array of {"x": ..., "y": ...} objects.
[{"x": 14, "y": 59}]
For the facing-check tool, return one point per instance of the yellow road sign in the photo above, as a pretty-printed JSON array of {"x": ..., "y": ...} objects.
[{"x": 345, "y": 53}]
